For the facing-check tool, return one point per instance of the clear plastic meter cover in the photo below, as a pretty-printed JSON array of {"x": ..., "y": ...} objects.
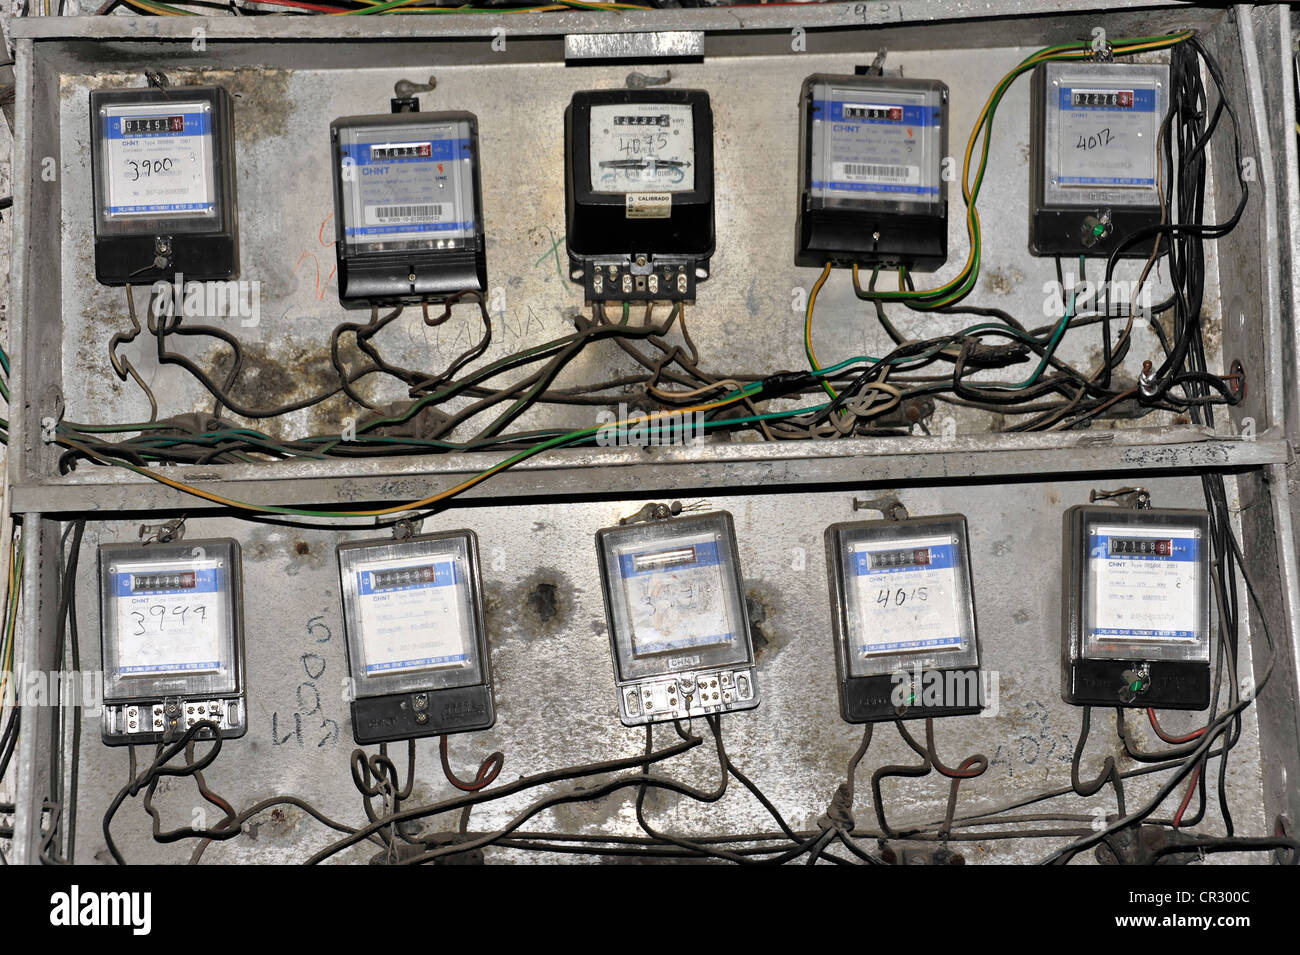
[
  {"x": 169, "y": 620},
  {"x": 876, "y": 143},
  {"x": 1102, "y": 125},
  {"x": 1145, "y": 592},
  {"x": 157, "y": 161},
  {"x": 412, "y": 614},
  {"x": 637, "y": 147},
  {"x": 407, "y": 186},
  {"x": 674, "y": 594},
  {"x": 907, "y": 596}
]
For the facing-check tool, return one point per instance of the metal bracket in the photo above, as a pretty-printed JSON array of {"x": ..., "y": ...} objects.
[
  {"x": 677, "y": 44},
  {"x": 1135, "y": 497},
  {"x": 164, "y": 533},
  {"x": 407, "y": 527},
  {"x": 889, "y": 506}
]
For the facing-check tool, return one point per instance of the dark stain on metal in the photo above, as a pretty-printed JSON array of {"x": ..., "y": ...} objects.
[
  {"x": 541, "y": 600},
  {"x": 761, "y": 607},
  {"x": 540, "y": 604},
  {"x": 262, "y": 104},
  {"x": 301, "y": 548},
  {"x": 289, "y": 373}
]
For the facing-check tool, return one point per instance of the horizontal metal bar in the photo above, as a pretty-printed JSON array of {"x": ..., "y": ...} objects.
[
  {"x": 722, "y": 19},
  {"x": 567, "y": 474}
]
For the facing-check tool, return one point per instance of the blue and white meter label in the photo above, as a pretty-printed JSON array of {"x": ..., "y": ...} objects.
[
  {"x": 1144, "y": 584},
  {"x": 408, "y": 189},
  {"x": 906, "y": 595},
  {"x": 676, "y": 597},
  {"x": 411, "y": 616},
  {"x": 170, "y": 618},
  {"x": 1105, "y": 137},
  {"x": 159, "y": 160},
  {"x": 874, "y": 145}
]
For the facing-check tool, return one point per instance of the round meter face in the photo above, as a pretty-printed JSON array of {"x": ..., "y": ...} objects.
[{"x": 642, "y": 147}]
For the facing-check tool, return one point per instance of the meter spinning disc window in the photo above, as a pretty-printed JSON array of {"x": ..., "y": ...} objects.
[
  {"x": 172, "y": 639},
  {"x": 679, "y": 633},
  {"x": 417, "y": 648}
]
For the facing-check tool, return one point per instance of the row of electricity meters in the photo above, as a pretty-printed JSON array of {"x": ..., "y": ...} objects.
[
  {"x": 639, "y": 183},
  {"x": 1136, "y": 624}
]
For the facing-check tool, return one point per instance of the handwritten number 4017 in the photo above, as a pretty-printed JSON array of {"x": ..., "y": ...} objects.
[
  {"x": 159, "y": 612},
  {"x": 1101, "y": 137}
]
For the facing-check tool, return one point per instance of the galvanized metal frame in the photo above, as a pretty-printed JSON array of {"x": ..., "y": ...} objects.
[{"x": 1260, "y": 306}]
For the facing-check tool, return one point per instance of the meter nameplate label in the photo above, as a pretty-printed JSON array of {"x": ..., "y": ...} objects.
[
  {"x": 907, "y": 595},
  {"x": 407, "y": 189},
  {"x": 676, "y": 597},
  {"x": 1144, "y": 593},
  {"x": 874, "y": 144},
  {"x": 169, "y": 619},
  {"x": 410, "y": 613},
  {"x": 159, "y": 159},
  {"x": 642, "y": 147},
  {"x": 649, "y": 205}
]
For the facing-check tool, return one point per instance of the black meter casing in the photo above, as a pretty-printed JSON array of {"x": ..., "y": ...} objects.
[
  {"x": 1092, "y": 166},
  {"x": 408, "y": 208},
  {"x": 189, "y": 225},
  {"x": 935, "y": 669},
  {"x": 871, "y": 188},
  {"x": 425, "y": 594},
  {"x": 639, "y": 242},
  {"x": 1153, "y": 671}
]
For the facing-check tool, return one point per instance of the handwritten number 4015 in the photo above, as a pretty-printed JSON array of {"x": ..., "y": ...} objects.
[
  {"x": 896, "y": 598},
  {"x": 159, "y": 612}
]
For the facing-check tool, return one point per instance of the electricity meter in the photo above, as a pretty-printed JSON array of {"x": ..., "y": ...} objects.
[
  {"x": 678, "y": 627},
  {"x": 1093, "y": 155},
  {"x": 172, "y": 640},
  {"x": 638, "y": 170},
  {"x": 870, "y": 172},
  {"x": 417, "y": 647},
  {"x": 163, "y": 180},
  {"x": 903, "y": 618},
  {"x": 408, "y": 208},
  {"x": 1136, "y": 613}
]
